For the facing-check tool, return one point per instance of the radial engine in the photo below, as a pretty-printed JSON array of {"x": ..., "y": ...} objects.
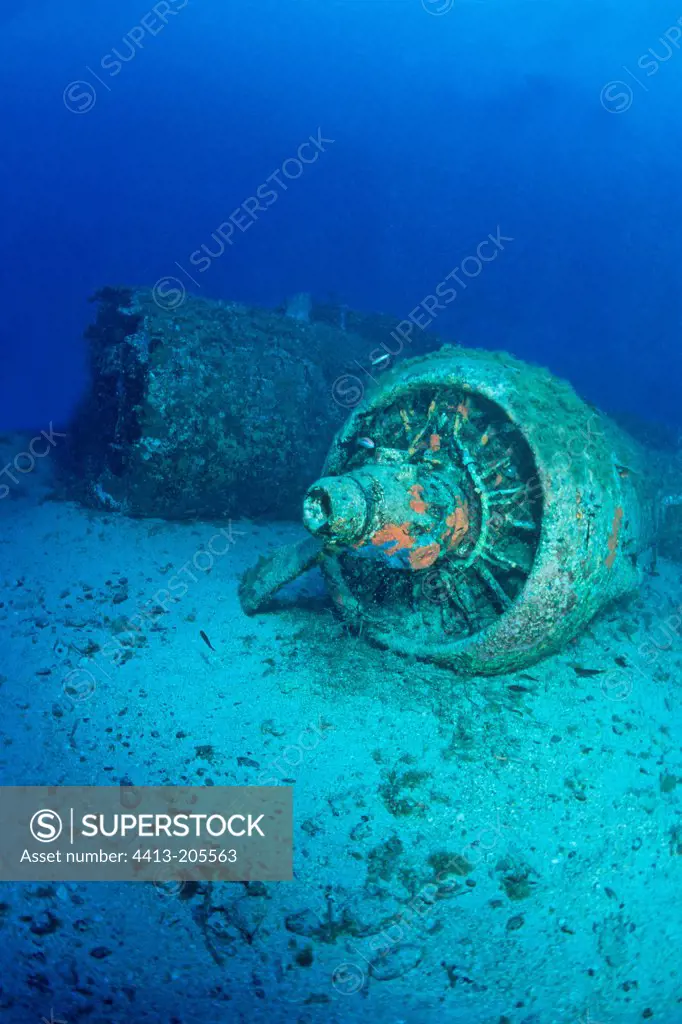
[{"x": 474, "y": 511}]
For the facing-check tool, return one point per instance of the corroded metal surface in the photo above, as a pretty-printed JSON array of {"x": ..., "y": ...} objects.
[
  {"x": 478, "y": 513},
  {"x": 212, "y": 409}
]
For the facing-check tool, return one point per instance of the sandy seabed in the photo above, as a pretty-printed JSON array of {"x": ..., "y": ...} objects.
[{"x": 501, "y": 851}]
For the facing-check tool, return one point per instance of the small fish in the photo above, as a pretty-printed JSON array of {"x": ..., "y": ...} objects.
[
  {"x": 586, "y": 672},
  {"x": 206, "y": 640},
  {"x": 366, "y": 442},
  {"x": 380, "y": 360}
]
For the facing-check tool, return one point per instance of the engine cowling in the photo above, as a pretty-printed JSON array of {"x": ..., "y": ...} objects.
[{"x": 476, "y": 512}]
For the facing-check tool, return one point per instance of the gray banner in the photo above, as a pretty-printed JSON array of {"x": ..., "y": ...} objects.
[{"x": 146, "y": 833}]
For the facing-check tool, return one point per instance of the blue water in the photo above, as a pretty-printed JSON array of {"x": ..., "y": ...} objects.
[
  {"x": 445, "y": 126},
  {"x": 505, "y": 173}
]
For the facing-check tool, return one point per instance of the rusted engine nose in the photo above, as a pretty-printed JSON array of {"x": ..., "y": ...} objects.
[
  {"x": 393, "y": 509},
  {"x": 336, "y": 507}
]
